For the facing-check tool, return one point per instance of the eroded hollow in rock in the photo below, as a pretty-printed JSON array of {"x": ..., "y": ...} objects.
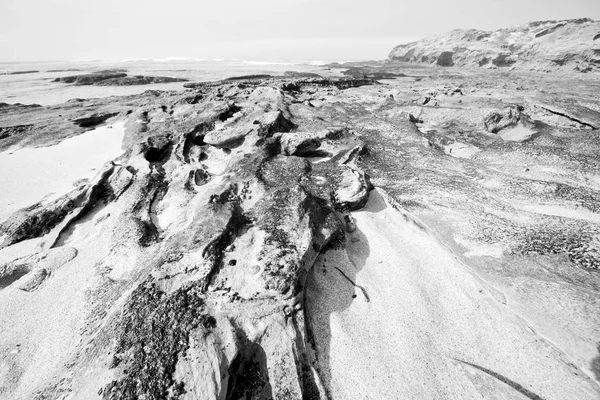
[
  {"x": 231, "y": 110},
  {"x": 13, "y": 276},
  {"x": 158, "y": 155}
]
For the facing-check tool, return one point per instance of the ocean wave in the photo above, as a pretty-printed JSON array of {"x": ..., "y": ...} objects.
[
  {"x": 175, "y": 59},
  {"x": 135, "y": 59},
  {"x": 269, "y": 63},
  {"x": 320, "y": 62}
]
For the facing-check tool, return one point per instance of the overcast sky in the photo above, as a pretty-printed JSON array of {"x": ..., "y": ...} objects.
[{"x": 251, "y": 29}]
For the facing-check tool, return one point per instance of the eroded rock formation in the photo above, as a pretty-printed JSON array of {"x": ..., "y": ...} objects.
[
  {"x": 228, "y": 252},
  {"x": 568, "y": 45}
]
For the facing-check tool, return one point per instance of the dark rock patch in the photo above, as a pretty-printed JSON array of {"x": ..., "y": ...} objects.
[
  {"x": 115, "y": 78},
  {"x": 248, "y": 77},
  {"x": 93, "y": 120},
  {"x": 229, "y": 112},
  {"x": 297, "y": 74},
  {"x": 154, "y": 332},
  {"x": 8, "y": 131},
  {"x": 90, "y": 79},
  {"x": 13, "y": 276},
  {"x": 20, "y": 72},
  {"x": 445, "y": 59},
  {"x": 503, "y": 60}
]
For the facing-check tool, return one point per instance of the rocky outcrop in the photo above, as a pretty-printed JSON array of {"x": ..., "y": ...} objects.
[
  {"x": 568, "y": 45},
  {"x": 20, "y": 72},
  {"x": 222, "y": 226},
  {"x": 236, "y": 248},
  {"x": 115, "y": 78},
  {"x": 496, "y": 121}
]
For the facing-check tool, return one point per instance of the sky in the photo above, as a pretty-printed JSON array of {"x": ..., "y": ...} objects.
[{"x": 67, "y": 30}]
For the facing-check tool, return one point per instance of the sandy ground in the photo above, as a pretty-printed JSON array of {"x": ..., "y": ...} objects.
[
  {"x": 28, "y": 175},
  {"x": 52, "y": 317},
  {"x": 426, "y": 327}
]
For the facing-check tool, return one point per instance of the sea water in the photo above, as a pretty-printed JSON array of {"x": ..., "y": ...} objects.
[{"x": 38, "y": 88}]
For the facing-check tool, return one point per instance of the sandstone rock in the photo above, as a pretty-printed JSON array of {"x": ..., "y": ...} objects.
[
  {"x": 353, "y": 190},
  {"x": 566, "y": 45},
  {"x": 203, "y": 272},
  {"x": 227, "y": 137},
  {"x": 32, "y": 280},
  {"x": 299, "y": 143},
  {"x": 496, "y": 121}
]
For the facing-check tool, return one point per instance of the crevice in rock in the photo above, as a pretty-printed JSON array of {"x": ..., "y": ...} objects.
[
  {"x": 100, "y": 192},
  {"x": 569, "y": 117},
  {"x": 214, "y": 252},
  {"x": 363, "y": 290},
  {"x": 162, "y": 187},
  {"x": 248, "y": 374},
  {"x": 229, "y": 112},
  {"x": 35, "y": 221},
  {"x": 145, "y": 210},
  {"x": 39, "y": 220},
  {"x": 306, "y": 362},
  {"x": 196, "y": 138}
]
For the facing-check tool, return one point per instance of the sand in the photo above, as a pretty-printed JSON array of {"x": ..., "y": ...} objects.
[
  {"x": 30, "y": 174},
  {"x": 425, "y": 326}
]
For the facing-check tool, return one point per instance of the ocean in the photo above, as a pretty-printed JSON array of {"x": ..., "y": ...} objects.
[{"x": 38, "y": 88}]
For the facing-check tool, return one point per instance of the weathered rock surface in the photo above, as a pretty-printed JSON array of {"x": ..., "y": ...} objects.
[
  {"x": 567, "y": 45},
  {"x": 237, "y": 250}
]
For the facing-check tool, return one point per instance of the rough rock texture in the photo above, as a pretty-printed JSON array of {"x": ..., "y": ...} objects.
[
  {"x": 568, "y": 45},
  {"x": 227, "y": 254},
  {"x": 219, "y": 227}
]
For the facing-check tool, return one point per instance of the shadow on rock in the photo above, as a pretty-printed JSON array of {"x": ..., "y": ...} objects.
[{"x": 330, "y": 290}]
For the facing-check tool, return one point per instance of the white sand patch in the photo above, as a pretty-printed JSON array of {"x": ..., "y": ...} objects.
[
  {"x": 44, "y": 326},
  {"x": 475, "y": 249},
  {"x": 486, "y": 251},
  {"x": 461, "y": 150},
  {"x": 28, "y": 175},
  {"x": 563, "y": 212},
  {"x": 518, "y": 133},
  {"x": 424, "y": 326}
]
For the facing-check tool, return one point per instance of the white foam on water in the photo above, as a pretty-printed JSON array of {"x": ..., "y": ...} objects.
[{"x": 29, "y": 175}]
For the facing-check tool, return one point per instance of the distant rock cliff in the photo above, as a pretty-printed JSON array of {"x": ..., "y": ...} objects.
[{"x": 543, "y": 46}]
